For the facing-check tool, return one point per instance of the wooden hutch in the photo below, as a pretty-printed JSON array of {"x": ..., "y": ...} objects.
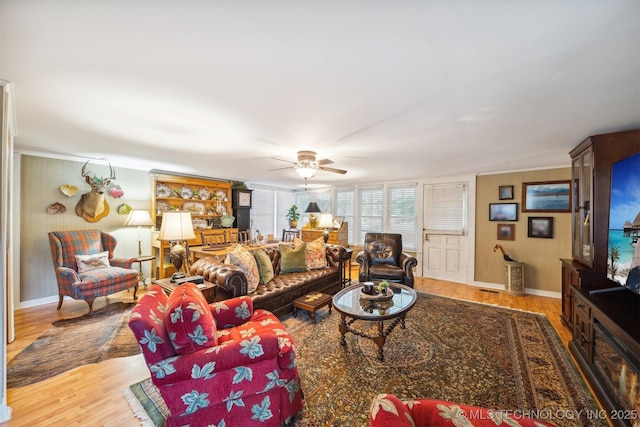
[
  {"x": 206, "y": 199},
  {"x": 604, "y": 317}
]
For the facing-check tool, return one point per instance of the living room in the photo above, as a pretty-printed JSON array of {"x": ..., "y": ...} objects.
[{"x": 136, "y": 92}]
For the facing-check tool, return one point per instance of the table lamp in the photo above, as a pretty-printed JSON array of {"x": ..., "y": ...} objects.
[
  {"x": 313, "y": 209},
  {"x": 139, "y": 218},
  {"x": 326, "y": 222},
  {"x": 177, "y": 228}
]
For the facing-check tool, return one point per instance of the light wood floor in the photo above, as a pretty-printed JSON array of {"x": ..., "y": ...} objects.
[{"x": 92, "y": 395}]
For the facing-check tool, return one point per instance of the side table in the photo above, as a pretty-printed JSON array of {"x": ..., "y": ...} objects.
[
  {"x": 208, "y": 289},
  {"x": 140, "y": 260},
  {"x": 312, "y": 303},
  {"x": 346, "y": 267}
]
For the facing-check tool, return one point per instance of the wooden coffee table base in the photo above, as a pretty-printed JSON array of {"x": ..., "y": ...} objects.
[
  {"x": 312, "y": 302},
  {"x": 379, "y": 339}
]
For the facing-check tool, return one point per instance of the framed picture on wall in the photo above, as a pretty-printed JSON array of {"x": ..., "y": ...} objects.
[
  {"x": 503, "y": 211},
  {"x": 540, "y": 226},
  {"x": 505, "y": 192},
  {"x": 506, "y": 232},
  {"x": 550, "y": 196}
]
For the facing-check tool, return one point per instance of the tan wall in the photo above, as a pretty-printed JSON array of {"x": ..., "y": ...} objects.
[{"x": 541, "y": 256}]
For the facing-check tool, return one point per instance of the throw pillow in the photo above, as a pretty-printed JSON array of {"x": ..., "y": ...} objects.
[
  {"x": 265, "y": 268},
  {"x": 189, "y": 321},
  {"x": 92, "y": 262},
  {"x": 247, "y": 263},
  {"x": 293, "y": 259},
  {"x": 316, "y": 253}
]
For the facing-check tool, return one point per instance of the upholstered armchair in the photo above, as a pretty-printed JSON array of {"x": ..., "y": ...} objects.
[
  {"x": 217, "y": 364},
  {"x": 389, "y": 411},
  {"x": 86, "y": 268},
  {"x": 382, "y": 259}
]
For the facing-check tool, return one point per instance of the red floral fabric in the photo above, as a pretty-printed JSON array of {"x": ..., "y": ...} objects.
[
  {"x": 389, "y": 411},
  {"x": 188, "y": 320},
  {"x": 249, "y": 378}
]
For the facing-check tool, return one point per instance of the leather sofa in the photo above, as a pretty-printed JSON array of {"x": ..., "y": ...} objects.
[{"x": 278, "y": 294}]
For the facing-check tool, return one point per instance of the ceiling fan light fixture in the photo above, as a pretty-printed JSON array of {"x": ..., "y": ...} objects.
[{"x": 306, "y": 171}]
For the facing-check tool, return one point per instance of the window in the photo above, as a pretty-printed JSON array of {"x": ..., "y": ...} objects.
[
  {"x": 401, "y": 214},
  {"x": 322, "y": 199},
  {"x": 370, "y": 203},
  {"x": 263, "y": 211},
  {"x": 345, "y": 206},
  {"x": 444, "y": 208}
]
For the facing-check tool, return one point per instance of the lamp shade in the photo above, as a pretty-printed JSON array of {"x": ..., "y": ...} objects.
[
  {"x": 139, "y": 217},
  {"x": 313, "y": 208},
  {"x": 306, "y": 172},
  {"x": 176, "y": 225},
  {"x": 326, "y": 221}
]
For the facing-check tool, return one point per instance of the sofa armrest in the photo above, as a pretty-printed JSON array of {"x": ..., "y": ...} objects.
[
  {"x": 123, "y": 262},
  {"x": 226, "y": 276},
  {"x": 364, "y": 260},
  {"x": 232, "y": 312},
  {"x": 408, "y": 263}
]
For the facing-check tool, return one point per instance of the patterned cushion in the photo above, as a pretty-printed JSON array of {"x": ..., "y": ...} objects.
[
  {"x": 247, "y": 263},
  {"x": 92, "y": 261},
  {"x": 147, "y": 323},
  {"x": 292, "y": 260},
  {"x": 265, "y": 268},
  {"x": 189, "y": 321},
  {"x": 316, "y": 254}
]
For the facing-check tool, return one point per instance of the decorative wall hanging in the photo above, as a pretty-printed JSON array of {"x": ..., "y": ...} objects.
[
  {"x": 116, "y": 192},
  {"x": 503, "y": 211},
  {"x": 540, "y": 226},
  {"x": 505, "y": 192},
  {"x": 92, "y": 205},
  {"x": 124, "y": 209},
  {"x": 69, "y": 190},
  {"x": 551, "y": 196},
  {"x": 506, "y": 232},
  {"x": 56, "y": 208}
]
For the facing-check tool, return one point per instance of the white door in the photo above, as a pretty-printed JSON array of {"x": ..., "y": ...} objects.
[{"x": 444, "y": 245}]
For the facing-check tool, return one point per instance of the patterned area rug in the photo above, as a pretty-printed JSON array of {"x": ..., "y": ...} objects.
[
  {"x": 451, "y": 350},
  {"x": 74, "y": 342}
]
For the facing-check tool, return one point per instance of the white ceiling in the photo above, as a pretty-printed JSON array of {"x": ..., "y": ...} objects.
[{"x": 389, "y": 90}]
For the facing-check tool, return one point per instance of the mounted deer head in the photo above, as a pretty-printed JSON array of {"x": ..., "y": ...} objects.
[{"x": 92, "y": 205}]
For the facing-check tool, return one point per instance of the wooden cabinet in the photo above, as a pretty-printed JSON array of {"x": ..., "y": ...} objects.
[
  {"x": 336, "y": 237},
  {"x": 570, "y": 279},
  {"x": 582, "y": 326},
  {"x": 207, "y": 200},
  {"x": 582, "y": 225}
]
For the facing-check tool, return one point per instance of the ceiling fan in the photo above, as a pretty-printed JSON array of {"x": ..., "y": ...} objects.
[{"x": 307, "y": 165}]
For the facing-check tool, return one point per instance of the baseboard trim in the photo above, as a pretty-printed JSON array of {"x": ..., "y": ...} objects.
[
  {"x": 530, "y": 291},
  {"x": 5, "y": 413}
]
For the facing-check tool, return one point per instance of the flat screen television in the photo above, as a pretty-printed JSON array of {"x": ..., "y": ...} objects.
[{"x": 623, "y": 265}]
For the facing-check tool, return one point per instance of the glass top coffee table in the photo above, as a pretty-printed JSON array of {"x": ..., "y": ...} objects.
[{"x": 352, "y": 306}]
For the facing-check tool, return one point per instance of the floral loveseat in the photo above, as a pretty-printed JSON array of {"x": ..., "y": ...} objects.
[
  {"x": 389, "y": 411},
  {"x": 217, "y": 364},
  {"x": 277, "y": 280}
]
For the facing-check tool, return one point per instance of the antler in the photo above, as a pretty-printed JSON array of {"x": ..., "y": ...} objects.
[{"x": 112, "y": 172}]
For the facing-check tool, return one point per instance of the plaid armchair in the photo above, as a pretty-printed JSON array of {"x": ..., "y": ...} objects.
[
  {"x": 85, "y": 266},
  {"x": 220, "y": 364}
]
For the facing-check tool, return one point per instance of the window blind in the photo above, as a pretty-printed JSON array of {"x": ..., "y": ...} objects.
[
  {"x": 345, "y": 206},
  {"x": 445, "y": 208},
  {"x": 370, "y": 204},
  {"x": 401, "y": 214}
]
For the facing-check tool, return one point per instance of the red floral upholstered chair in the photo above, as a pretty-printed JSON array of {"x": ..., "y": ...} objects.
[
  {"x": 85, "y": 266},
  {"x": 389, "y": 411},
  {"x": 220, "y": 364}
]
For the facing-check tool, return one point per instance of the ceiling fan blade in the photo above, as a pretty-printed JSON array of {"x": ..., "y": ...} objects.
[
  {"x": 334, "y": 170},
  {"x": 324, "y": 162},
  {"x": 282, "y": 160},
  {"x": 279, "y": 169}
]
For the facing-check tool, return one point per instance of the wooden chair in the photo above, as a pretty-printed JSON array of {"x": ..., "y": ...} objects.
[
  {"x": 213, "y": 237},
  {"x": 289, "y": 235},
  {"x": 242, "y": 237}
]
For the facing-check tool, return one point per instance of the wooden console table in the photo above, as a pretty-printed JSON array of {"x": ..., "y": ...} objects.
[{"x": 336, "y": 237}]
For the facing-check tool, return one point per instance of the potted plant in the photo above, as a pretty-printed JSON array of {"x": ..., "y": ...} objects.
[{"x": 293, "y": 215}]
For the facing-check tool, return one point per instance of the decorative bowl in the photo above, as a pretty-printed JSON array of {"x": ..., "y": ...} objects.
[{"x": 227, "y": 220}]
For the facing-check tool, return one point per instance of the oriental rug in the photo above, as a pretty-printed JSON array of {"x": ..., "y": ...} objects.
[
  {"x": 452, "y": 350},
  {"x": 74, "y": 342}
]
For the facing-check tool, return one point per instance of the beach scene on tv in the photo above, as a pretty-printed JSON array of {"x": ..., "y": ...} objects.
[{"x": 624, "y": 223}]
